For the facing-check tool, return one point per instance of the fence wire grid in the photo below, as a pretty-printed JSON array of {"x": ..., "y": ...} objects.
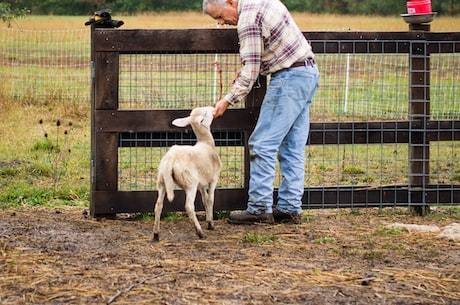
[
  {"x": 354, "y": 87},
  {"x": 36, "y": 66},
  {"x": 41, "y": 66}
]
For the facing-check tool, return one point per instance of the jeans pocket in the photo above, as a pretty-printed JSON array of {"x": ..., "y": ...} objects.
[{"x": 274, "y": 92}]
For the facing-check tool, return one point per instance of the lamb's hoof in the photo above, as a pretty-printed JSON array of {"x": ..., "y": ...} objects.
[
  {"x": 156, "y": 237},
  {"x": 210, "y": 226},
  {"x": 201, "y": 235}
]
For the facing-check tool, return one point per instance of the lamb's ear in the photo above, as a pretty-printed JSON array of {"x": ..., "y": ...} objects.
[{"x": 182, "y": 122}]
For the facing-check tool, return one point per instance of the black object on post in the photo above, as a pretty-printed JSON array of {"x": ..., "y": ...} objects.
[{"x": 103, "y": 19}]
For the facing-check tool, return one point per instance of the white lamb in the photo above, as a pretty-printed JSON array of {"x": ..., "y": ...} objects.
[{"x": 192, "y": 168}]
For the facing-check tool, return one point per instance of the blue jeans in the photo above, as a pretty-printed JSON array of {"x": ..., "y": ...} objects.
[{"x": 282, "y": 130}]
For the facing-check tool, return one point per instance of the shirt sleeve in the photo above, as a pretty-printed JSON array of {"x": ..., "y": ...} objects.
[{"x": 251, "y": 50}]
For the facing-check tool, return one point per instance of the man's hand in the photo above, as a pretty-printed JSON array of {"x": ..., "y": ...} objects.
[{"x": 220, "y": 108}]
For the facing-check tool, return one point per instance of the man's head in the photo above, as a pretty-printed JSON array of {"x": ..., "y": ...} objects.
[{"x": 224, "y": 11}]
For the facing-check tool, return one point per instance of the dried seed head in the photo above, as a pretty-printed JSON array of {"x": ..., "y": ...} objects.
[{"x": 58, "y": 123}]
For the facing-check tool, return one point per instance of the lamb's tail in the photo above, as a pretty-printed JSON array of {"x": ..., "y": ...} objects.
[{"x": 166, "y": 172}]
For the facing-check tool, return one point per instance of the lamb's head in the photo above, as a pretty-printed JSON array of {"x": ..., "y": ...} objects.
[{"x": 201, "y": 116}]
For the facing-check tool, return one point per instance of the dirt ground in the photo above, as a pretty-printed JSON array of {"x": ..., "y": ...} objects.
[{"x": 63, "y": 256}]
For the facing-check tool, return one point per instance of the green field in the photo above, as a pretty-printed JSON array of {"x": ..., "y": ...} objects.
[{"x": 45, "y": 79}]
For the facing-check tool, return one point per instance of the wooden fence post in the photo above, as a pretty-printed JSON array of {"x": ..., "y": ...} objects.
[{"x": 419, "y": 116}]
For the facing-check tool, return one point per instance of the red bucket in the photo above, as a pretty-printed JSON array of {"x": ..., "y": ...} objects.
[{"x": 419, "y": 7}]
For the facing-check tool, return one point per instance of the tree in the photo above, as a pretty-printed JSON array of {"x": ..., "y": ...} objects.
[
  {"x": 355, "y": 7},
  {"x": 8, "y": 14}
]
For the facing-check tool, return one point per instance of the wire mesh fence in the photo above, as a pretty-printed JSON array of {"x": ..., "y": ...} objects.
[
  {"x": 41, "y": 66},
  {"x": 36, "y": 66},
  {"x": 354, "y": 87},
  {"x": 174, "y": 81},
  {"x": 140, "y": 153},
  {"x": 375, "y": 87}
]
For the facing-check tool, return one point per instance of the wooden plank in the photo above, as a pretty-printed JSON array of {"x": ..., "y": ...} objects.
[
  {"x": 365, "y": 35},
  {"x": 382, "y": 132},
  {"x": 448, "y": 37},
  {"x": 167, "y": 40},
  {"x": 122, "y": 202},
  {"x": 443, "y": 131},
  {"x": 226, "y": 41},
  {"x": 106, "y": 80},
  {"x": 320, "y": 133},
  {"x": 356, "y": 47},
  {"x": 160, "y": 120},
  {"x": 112, "y": 202},
  {"x": 106, "y": 161},
  {"x": 359, "y": 132},
  {"x": 165, "y": 139},
  {"x": 384, "y": 196},
  {"x": 443, "y": 46},
  {"x": 104, "y": 172},
  {"x": 315, "y": 197},
  {"x": 419, "y": 109},
  {"x": 361, "y": 42}
]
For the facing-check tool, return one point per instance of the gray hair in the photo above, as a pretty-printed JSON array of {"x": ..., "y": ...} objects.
[{"x": 213, "y": 2}]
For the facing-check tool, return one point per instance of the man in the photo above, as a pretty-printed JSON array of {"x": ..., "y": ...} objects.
[{"x": 271, "y": 44}]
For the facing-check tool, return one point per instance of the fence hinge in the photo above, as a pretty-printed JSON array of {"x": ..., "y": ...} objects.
[{"x": 93, "y": 72}]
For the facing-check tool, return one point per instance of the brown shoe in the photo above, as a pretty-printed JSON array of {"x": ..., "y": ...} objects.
[
  {"x": 246, "y": 218},
  {"x": 286, "y": 217}
]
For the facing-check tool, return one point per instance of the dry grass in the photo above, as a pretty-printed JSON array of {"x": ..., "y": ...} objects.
[{"x": 307, "y": 22}]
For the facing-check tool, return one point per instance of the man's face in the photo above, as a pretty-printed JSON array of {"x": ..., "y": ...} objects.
[{"x": 227, "y": 14}]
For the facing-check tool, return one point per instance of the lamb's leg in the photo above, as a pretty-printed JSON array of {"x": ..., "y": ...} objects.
[
  {"x": 158, "y": 209},
  {"x": 208, "y": 199},
  {"x": 190, "y": 195}
]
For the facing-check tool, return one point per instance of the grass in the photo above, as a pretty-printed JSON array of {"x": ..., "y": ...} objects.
[
  {"x": 382, "y": 231},
  {"x": 324, "y": 240},
  {"x": 174, "y": 20},
  {"x": 253, "y": 238},
  {"x": 41, "y": 83},
  {"x": 445, "y": 212},
  {"x": 36, "y": 170}
]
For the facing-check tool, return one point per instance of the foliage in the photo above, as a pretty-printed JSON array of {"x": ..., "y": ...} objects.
[
  {"x": 367, "y": 7},
  {"x": 8, "y": 14},
  {"x": 56, "y": 150},
  {"x": 358, "y": 7}
]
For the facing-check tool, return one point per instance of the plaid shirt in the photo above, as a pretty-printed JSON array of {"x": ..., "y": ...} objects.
[{"x": 269, "y": 40}]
